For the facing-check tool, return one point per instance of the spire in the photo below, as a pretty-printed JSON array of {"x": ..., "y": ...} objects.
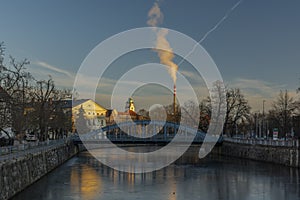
[{"x": 130, "y": 105}]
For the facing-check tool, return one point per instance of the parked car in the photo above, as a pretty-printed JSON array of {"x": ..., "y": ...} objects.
[
  {"x": 31, "y": 137},
  {"x": 7, "y": 137}
]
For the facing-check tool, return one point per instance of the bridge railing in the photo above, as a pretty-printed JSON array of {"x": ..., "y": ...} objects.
[
  {"x": 146, "y": 131},
  {"x": 12, "y": 152},
  {"x": 276, "y": 143},
  {"x": 123, "y": 137}
]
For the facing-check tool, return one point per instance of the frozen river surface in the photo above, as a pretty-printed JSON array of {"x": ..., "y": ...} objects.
[{"x": 215, "y": 177}]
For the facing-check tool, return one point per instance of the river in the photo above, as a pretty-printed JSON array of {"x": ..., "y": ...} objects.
[{"x": 215, "y": 177}]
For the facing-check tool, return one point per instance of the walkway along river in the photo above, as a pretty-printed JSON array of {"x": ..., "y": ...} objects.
[{"x": 215, "y": 177}]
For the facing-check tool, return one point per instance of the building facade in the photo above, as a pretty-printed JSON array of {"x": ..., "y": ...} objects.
[{"x": 94, "y": 114}]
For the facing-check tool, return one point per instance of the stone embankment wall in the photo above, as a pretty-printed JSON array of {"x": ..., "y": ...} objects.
[
  {"x": 285, "y": 155},
  {"x": 19, "y": 173}
]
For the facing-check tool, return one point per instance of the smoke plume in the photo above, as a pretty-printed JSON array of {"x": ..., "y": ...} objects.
[{"x": 155, "y": 18}]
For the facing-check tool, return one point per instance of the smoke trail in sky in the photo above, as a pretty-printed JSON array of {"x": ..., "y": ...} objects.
[
  {"x": 227, "y": 14},
  {"x": 221, "y": 21}
]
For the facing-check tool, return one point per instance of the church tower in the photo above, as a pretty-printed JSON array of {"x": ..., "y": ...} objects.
[{"x": 130, "y": 105}]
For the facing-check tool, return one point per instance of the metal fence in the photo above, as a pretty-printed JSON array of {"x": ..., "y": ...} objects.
[
  {"x": 276, "y": 143},
  {"x": 13, "y": 152}
]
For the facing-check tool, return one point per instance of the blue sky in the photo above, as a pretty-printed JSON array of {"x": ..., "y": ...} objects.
[{"x": 256, "y": 49}]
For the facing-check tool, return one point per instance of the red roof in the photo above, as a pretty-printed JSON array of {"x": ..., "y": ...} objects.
[{"x": 130, "y": 112}]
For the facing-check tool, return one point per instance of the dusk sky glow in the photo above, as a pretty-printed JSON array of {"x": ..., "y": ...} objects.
[{"x": 256, "y": 48}]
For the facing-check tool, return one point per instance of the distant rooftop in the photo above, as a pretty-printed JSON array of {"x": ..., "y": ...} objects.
[{"x": 80, "y": 101}]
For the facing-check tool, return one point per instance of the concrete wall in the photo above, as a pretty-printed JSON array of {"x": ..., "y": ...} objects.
[
  {"x": 17, "y": 174},
  {"x": 288, "y": 156}
]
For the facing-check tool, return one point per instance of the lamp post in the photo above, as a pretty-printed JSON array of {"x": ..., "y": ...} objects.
[
  {"x": 264, "y": 107},
  {"x": 256, "y": 125},
  {"x": 263, "y": 118}
]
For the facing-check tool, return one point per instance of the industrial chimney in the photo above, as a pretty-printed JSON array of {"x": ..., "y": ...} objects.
[{"x": 174, "y": 101}]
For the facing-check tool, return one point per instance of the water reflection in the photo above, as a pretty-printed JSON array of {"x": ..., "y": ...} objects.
[
  {"x": 215, "y": 177},
  {"x": 85, "y": 181}
]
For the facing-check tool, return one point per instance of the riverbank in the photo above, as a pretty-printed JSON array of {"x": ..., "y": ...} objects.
[
  {"x": 19, "y": 173},
  {"x": 287, "y": 155},
  {"x": 189, "y": 178}
]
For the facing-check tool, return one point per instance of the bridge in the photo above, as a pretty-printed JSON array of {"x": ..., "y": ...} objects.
[{"x": 145, "y": 131}]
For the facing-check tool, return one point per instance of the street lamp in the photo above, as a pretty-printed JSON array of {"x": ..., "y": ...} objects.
[
  {"x": 263, "y": 118},
  {"x": 264, "y": 107}
]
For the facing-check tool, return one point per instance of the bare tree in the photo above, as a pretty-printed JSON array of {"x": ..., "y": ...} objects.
[
  {"x": 171, "y": 116},
  {"x": 30, "y": 104},
  {"x": 237, "y": 110},
  {"x": 44, "y": 93},
  {"x": 16, "y": 82},
  {"x": 60, "y": 121},
  {"x": 205, "y": 114},
  {"x": 1, "y": 55},
  {"x": 190, "y": 114},
  {"x": 281, "y": 114},
  {"x": 143, "y": 113}
]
